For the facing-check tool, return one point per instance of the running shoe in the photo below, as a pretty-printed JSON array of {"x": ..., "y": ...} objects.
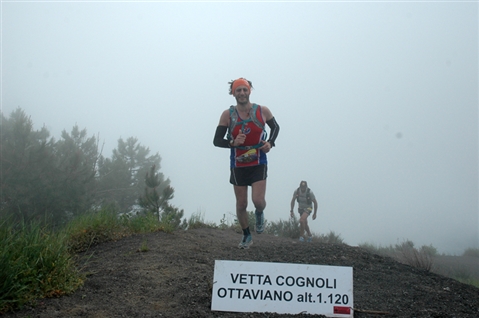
[
  {"x": 259, "y": 222},
  {"x": 246, "y": 242},
  {"x": 310, "y": 239},
  {"x": 301, "y": 239}
]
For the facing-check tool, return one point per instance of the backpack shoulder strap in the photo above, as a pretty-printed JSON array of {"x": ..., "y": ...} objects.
[
  {"x": 254, "y": 118},
  {"x": 233, "y": 119}
]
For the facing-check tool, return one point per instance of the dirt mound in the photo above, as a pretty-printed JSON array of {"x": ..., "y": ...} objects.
[{"x": 170, "y": 275}]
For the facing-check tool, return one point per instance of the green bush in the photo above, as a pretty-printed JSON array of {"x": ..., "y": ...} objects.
[
  {"x": 284, "y": 228},
  {"x": 229, "y": 222},
  {"x": 104, "y": 225},
  {"x": 147, "y": 222},
  {"x": 197, "y": 220},
  {"x": 406, "y": 253},
  {"x": 330, "y": 238},
  {"x": 290, "y": 228},
  {"x": 170, "y": 219},
  {"x": 95, "y": 227},
  {"x": 472, "y": 252},
  {"x": 420, "y": 258},
  {"x": 34, "y": 263},
  {"x": 380, "y": 250}
]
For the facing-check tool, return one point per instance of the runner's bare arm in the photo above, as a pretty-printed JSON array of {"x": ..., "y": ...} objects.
[
  {"x": 267, "y": 115},
  {"x": 225, "y": 118}
]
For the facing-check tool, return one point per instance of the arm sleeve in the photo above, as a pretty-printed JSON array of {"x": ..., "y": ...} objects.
[
  {"x": 219, "y": 140},
  {"x": 273, "y": 125}
]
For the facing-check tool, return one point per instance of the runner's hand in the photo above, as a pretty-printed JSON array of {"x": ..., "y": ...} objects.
[
  {"x": 266, "y": 147},
  {"x": 240, "y": 138}
]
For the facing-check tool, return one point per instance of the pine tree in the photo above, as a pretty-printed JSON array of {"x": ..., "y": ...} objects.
[
  {"x": 152, "y": 200},
  {"x": 121, "y": 178}
]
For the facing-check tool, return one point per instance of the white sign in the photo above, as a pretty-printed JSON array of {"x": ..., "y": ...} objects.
[{"x": 283, "y": 288}]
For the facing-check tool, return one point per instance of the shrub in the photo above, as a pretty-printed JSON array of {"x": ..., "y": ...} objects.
[
  {"x": 95, "y": 227},
  {"x": 414, "y": 257},
  {"x": 290, "y": 228},
  {"x": 34, "y": 263},
  {"x": 170, "y": 219},
  {"x": 331, "y": 238},
  {"x": 142, "y": 223},
  {"x": 284, "y": 228},
  {"x": 197, "y": 220},
  {"x": 37, "y": 263},
  {"x": 406, "y": 253},
  {"x": 429, "y": 250},
  {"x": 472, "y": 252},
  {"x": 380, "y": 250}
]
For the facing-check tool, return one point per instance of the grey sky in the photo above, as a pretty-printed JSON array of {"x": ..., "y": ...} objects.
[{"x": 377, "y": 101}]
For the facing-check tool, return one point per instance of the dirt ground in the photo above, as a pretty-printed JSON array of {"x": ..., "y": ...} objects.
[{"x": 173, "y": 278}]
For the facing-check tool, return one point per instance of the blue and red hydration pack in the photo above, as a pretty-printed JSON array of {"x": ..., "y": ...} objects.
[{"x": 247, "y": 154}]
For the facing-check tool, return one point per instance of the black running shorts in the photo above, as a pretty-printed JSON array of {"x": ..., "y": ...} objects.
[{"x": 246, "y": 176}]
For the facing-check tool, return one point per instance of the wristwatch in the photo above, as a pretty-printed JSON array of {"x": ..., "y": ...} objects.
[{"x": 232, "y": 142}]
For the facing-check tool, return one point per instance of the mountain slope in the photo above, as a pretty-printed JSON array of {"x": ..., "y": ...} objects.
[{"x": 170, "y": 275}]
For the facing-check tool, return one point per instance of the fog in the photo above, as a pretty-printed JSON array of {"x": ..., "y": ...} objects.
[{"x": 377, "y": 101}]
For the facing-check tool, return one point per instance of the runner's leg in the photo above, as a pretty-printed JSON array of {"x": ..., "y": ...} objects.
[
  {"x": 241, "y": 193},
  {"x": 258, "y": 194},
  {"x": 306, "y": 225},
  {"x": 303, "y": 224}
]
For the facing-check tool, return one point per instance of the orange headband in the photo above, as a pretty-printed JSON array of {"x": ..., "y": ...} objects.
[{"x": 239, "y": 82}]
